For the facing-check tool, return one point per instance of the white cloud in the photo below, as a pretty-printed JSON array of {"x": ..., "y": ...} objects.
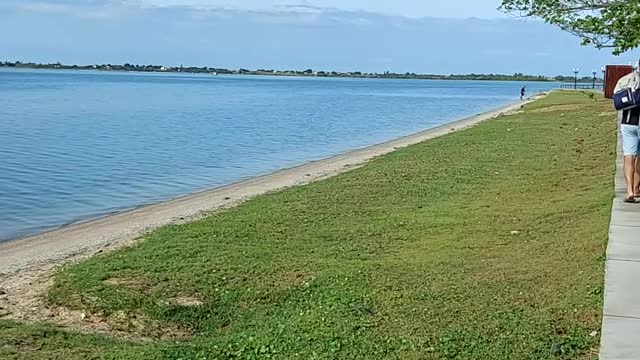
[
  {"x": 410, "y": 8},
  {"x": 81, "y": 8},
  {"x": 407, "y": 8}
]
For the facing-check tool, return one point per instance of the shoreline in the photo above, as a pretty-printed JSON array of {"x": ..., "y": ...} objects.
[
  {"x": 87, "y": 238},
  {"x": 282, "y": 73}
]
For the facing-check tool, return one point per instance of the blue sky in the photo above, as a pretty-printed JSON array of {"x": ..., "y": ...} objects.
[{"x": 460, "y": 36}]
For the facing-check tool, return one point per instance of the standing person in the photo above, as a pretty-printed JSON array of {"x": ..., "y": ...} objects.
[
  {"x": 630, "y": 132},
  {"x": 523, "y": 92}
]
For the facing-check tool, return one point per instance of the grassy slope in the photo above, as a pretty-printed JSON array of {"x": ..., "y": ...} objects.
[{"x": 409, "y": 257}]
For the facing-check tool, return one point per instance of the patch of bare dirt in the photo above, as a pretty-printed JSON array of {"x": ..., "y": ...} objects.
[
  {"x": 293, "y": 279},
  {"x": 186, "y": 301},
  {"x": 183, "y": 301},
  {"x": 23, "y": 295},
  {"x": 142, "y": 327},
  {"x": 22, "y": 299}
]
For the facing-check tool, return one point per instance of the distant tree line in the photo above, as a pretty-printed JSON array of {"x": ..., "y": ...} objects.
[
  {"x": 115, "y": 67},
  {"x": 307, "y": 72}
]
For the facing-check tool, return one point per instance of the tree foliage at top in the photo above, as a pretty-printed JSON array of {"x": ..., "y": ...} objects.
[{"x": 602, "y": 23}]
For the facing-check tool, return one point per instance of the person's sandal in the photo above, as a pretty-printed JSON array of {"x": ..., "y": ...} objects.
[{"x": 630, "y": 200}]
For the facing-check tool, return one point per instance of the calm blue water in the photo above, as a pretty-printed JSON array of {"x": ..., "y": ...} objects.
[{"x": 76, "y": 145}]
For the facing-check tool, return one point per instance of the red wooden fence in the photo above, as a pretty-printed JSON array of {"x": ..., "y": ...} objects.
[{"x": 612, "y": 75}]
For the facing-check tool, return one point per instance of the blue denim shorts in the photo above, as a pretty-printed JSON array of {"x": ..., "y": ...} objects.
[{"x": 630, "y": 139}]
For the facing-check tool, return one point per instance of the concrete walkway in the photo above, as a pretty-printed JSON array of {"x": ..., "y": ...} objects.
[{"x": 621, "y": 322}]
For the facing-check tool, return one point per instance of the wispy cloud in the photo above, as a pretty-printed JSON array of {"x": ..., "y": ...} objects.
[
  {"x": 79, "y": 8},
  {"x": 408, "y": 8},
  {"x": 106, "y": 8}
]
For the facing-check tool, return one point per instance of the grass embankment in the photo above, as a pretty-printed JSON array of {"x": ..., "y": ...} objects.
[{"x": 484, "y": 244}]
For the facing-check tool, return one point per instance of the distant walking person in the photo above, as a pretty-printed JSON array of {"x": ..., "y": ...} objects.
[
  {"x": 630, "y": 131},
  {"x": 523, "y": 92}
]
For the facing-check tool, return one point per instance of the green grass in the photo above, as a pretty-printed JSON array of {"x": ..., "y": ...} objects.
[{"x": 409, "y": 257}]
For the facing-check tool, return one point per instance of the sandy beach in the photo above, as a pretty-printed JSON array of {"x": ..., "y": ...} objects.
[{"x": 103, "y": 234}]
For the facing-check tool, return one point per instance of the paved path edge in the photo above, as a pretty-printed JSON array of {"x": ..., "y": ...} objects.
[{"x": 621, "y": 314}]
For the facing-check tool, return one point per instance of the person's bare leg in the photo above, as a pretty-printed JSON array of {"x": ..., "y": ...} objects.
[
  {"x": 636, "y": 178},
  {"x": 629, "y": 174}
]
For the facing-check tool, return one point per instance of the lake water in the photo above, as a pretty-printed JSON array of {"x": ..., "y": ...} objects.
[{"x": 77, "y": 145}]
